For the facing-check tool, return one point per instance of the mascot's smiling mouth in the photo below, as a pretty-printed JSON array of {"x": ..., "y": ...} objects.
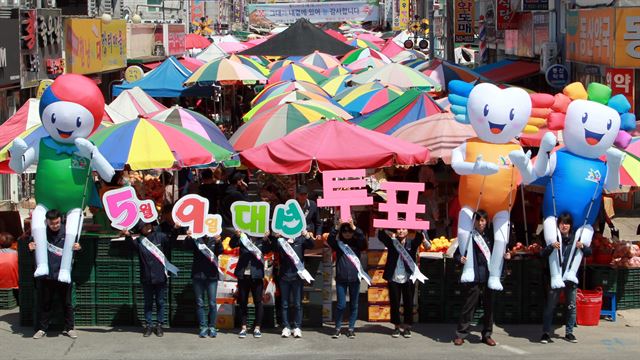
[
  {"x": 64, "y": 134},
  {"x": 592, "y": 138},
  {"x": 496, "y": 128}
]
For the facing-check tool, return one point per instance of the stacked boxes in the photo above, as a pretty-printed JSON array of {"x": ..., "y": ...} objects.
[
  {"x": 327, "y": 281},
  {"x": 431, "y": 294},
  {"x": 628, "y": 288},
  {"x": 533, "y": 299},
  {"x": 313, "y": 294},
  {"x": 8, "y": 299},
  {"x": 378, "y": 294},
  {"x": 508, "y": 309}
]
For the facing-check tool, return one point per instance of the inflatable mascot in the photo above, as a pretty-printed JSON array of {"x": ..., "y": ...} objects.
[
  {"x": 574, "y": 175},
  {"x": 488, "y": 180},
  {"x": 71, "y": 110}
]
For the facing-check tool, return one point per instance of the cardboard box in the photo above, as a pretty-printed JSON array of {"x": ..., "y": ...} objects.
[
  {"x": 224, "y": 309},
  {"x": 376, "y": 277},
  {"x": 226, "y": 289},
  {"x": 379, "y": 313},
  {"x": 224, "y": 322},
  {"x": 327, "y": 311},
  {"x": 376, "y": 258},
  {"x": 312, "y": 296},
  {"x": 378, "y": 295}
]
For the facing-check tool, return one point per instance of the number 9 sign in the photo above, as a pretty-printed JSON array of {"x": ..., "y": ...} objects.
[
  {"x": 124, "y": 209},
  {"x": 193, "y": 211}
]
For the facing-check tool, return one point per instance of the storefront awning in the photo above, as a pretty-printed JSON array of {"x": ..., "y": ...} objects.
[{"x": 508, "y": 70}]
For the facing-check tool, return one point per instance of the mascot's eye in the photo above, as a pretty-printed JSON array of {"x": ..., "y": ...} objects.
[
  {"x": 78, "y": 122},
  {"x": 584, "y": 118},
  {"x": 486, "y": 110},
  {"x": 53, "y": 118},
  {"x": 511, "y": 115},
  {"x": 609, "y": 125}
]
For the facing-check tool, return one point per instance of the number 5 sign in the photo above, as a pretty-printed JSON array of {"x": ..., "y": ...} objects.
[
  {"x": 193, "y": 211},
  {"x": 124, "y": 209}
]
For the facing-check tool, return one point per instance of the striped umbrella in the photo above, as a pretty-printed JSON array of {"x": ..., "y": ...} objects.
[
  {"x": 296, "y": 72},
  {"x": 283, "y": 119},
  {"x": 630, "y": 170},
  {"x": 148, "y": 144},
  {"x": 399, "y": 75},
  {"x": 224, "y": 71},
  {"x": 336, "y": 71},
  {"x": 283, "y": 87},
  {"x": 362, "y": 53},
  {"x": 278, "y": 64},
  {"x": 365, "y": 64},
  {"x": 418, "y": 64},
  {"x": 366, "y": 98},
  {"x": 336, "y": 84},
  {"x": 320, "y": 60},
  {"x": 259, "y": 58},
  {"x": 363, "y": 44},
  {"x": 255, "y": 65},
  {"x": 294, "y": 95}
]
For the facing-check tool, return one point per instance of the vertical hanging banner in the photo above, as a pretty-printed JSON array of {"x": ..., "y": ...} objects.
[
  {"x": 622, "y": 81},
  {"x": 464, "y": 20},
  {"x": 29, "y": 58},
  {"x": 404, "y": 14},
  {"x": 196, "y": 12},
  {"x": 83, "y": 43},
  {"x": 395, "y": 10},
  {"x": 506, "y": 16},
  {"x": 50, "y": 43},
  {"x": 114, "y": 52}
]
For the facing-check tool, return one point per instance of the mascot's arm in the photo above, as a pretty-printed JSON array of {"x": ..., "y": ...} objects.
[
  {"x": 615, "y": 158},
  {"x": 523, "y": 162},
  {"x": 478, "y": 167},
  {"x": 98, "y": 162},
  {"x": 22, "y": 156},
  {"x": 542, "y": 166}
]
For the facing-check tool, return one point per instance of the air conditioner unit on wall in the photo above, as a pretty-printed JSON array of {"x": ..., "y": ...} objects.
[{"x": 548, "y": 55}]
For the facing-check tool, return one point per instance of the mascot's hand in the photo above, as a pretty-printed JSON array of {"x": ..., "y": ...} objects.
[
  {"x": 18, "y": 148},
  {"x": 615, "y": 157},
  {"x": 548, "y": 142},
  {"x": 85, "y": 147},
  {"x": 519, "y": 158},
  {"x": 484, "y": 168}
]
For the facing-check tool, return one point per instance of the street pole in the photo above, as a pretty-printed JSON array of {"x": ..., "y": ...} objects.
[
  {"x": 450, "y": 32},
  {"x": 432, "y": 38}
]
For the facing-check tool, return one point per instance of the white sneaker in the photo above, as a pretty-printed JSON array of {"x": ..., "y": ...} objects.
[
  {"x": 297, "y": 333},
  {"x": 39, "y": 335},
  {"x": 71, "y": 333},
  {"x": 286, "y": 332}
]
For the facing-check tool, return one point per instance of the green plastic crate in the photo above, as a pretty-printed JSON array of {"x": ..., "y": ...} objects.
[
  {"x": 8, "y": 299},
  {"x": 116, "y": 250},
  {"x": 602, "y": 276},
  {"x": 507, "y": 312},
  {"x": 430, "y": 312},
  {"x": 114, "y": 315},
  {"x": 114, "y": 271},
  {"x": 114, "y": 294},
  {"x": 432, "y": 290},
  {"x": 85, "y": 315},
  {"x": 85, "y": 293}
]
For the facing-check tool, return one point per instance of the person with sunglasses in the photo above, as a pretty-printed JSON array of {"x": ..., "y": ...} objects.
[{"x": 348, "y": 241}]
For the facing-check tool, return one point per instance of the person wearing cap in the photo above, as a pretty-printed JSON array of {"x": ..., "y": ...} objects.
[
  {"x": 236, "y": 191},
  {"x": 310, "y": 209}
]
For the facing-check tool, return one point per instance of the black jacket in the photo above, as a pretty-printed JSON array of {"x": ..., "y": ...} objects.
[
  {"x": 55, "y": 239},
  {"x": 312, "y": 215},
  {"x": 288, "y": 270},
  {"x": 345, "y": 271},
  {"x": 480, "y": 268},
  {"x": 247, "y": 259},
  {"x": 410, "y": 244},
  {"x": 231, "y": 195},
  {"x": 567, "y": 243},
  {"x": 202, "y": 267},
  {"x": 151, "y": 269},
  {"x": 214, "y": 193}
]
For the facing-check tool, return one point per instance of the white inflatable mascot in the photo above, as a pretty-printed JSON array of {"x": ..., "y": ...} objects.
[{"x": 71, "y": 110}]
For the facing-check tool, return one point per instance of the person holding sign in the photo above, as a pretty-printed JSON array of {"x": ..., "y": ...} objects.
[
  {"x": 151, "y": 246},
  {"x": 292, "y": 272},
  {"x": 478, "y": 257},
  {"x": 348, "y": 241},
  {"x": 205, "y": 276},
  {"x": 250, "y": 274},
  {"x": 401, "y": 273}
]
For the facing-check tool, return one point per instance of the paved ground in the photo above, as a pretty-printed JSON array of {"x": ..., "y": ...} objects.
[{"x": 619, "y": 340}]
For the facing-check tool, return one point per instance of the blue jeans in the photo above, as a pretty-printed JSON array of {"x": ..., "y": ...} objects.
[
  {"x": 570, "y": 290},
  {"x": 159, "y": 293},
  {"x": 199, "y": 288},
  {"x": 354, "y": 294},
  {"x": 291, "y": 289}
]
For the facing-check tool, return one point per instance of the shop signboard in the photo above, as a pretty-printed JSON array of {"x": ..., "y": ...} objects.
[
  {"x": 318, "y": 12},
  {"x": 83, "y": 46},
  {"x": 464, "y": 18},
  {"x": 590, "y": 35},
  {"x": 557, "y": 76},
  {"x": 9, "y": 56},
  {"x": 622, "y": 81},
  {"x": 627, "y": 39},
  {"x": 114, "y": 43}
]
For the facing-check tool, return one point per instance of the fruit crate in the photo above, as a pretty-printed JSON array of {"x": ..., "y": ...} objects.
[
  {"x": 533, "y": 292},
  {"x": 512, "y": 271},
  {"x": 116, "y": 250},
  {"x": 453, "y": 270},
  {"x": 602, "y": 276},
  {"x": 114, "y": 315},
  {"x": 311, "y": 316},
  {"x": 507, "y": 312},
  {"x": 114, "y": 294},
  {"x": 453, "y": 309},
  {"x": 532, "y": 313},
  {"x": 138, "y": 316},
  {"x": 185, "y": 316},
  {"x": 533, "y": 270},
  {"x": 455, "y": 291},
  {"x": 114, "y": 271},
  {"x": 434, "y": 269},
  {"x": 182, "y": 296},
  {"x": 85, "y": 293},
  {"x": 430, "y": 311},
  {"x": 85, "y": 314},
  {"x": 629, "y": 279},
  {"x": 181, "y": 255},
  {"x": 268, "y": 318},
  {"x": 432, "y": 290},
  {"x": 8, "y": 299},
  {"x": 511, "y": 291}
]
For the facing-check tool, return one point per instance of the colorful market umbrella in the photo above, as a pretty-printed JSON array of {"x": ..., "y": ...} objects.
[
  {"x": 418, "y": 64},
  {"x": 279, "y": 63},
  {"x": 371, "y": 38},
  {"x": 440, "y": 133},
  {"x": 296, "y": 72},
  {"x": 408, "y": 55},
  {"x": 320, "y": 60},
  {"x": 294, "y": 95},
  {"x": 363, "y": 44},
  {"x": 411, "y": 106},
  {"x": 283, "y": 87},
  {"x": 337, "y": 84},
  {"x": 366, "y": 98},
  {"x": 135, "y": 102},
  {"x": 365, "y": 64},
  {"x": 337, "y": 145},
  {"x": 362, "y": 53},
  {"x": 25, "y": 118},
  {"x": 399, "y": 75},
  {"x": 232, "y": 47},
  {"x": 336, "y": 35},
  {"x": 335, "y": 71},
  {"x": 195, "y": 41},
  {"x": 223, "y": 71},
  {"x": 149, "y": 144},
  {"x": 391, "y": 48},
  {"x": 281, "y": 120},
  {"x": 259, "y": 58},
  {"x": 443, "y": 72},
  {"x": 254, "y": 64},
  {"x": 630, "y": 170}
]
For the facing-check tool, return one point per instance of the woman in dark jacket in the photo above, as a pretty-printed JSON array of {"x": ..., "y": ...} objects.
[
  {"x": 205, "y": 276},
  {"x": 250, "y": 274},
  {"x": 347, "y": 237}
]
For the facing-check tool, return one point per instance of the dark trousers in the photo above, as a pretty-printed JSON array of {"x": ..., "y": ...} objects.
[
  {"x": 48, "y": 289},
  {"x": 406, "y": 291},
  {"x": 291, "y": 298},
  {"x": 255, "y": 286},
  {"x": 353, "y": 288},
  {"x": 476, "y": 291},
  {"x": 151, "y": 292},
  {"x": 200, "y": 288},
  {"x": 570, "y": 290}
]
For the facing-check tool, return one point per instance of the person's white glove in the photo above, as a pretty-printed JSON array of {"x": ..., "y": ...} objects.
[
  {"x": 484, "y": 168},
  {"x": 18, "y": 148},
  {"x": 615, "y": 157},
  {"x": 548, "y": 142},
  {"x": 85, "y": 148}
]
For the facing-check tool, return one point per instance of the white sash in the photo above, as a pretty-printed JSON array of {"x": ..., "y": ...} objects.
[
  {"x": 157, "y": 253},
  {"x": 302, "y": 272},
  {"x": 54, "y": 249},
  {"x": 406, "y": 258},
  {"x": 251, "y": 247},
  {"x": 204, "y": 249},
  {"x": 478, "y": 239},
  {"x": 353, "y": 258}
]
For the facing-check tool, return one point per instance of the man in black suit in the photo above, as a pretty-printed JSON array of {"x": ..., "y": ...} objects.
[{"x": 310, "y": 210}]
